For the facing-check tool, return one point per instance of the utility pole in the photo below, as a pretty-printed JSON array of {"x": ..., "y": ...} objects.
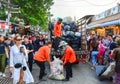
[
  {"x": 8, "y": 12},
  {"x": 10, "y": 9}
]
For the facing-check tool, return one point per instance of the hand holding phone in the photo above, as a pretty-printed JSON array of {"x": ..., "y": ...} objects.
[{"x": 21, "y": 49}]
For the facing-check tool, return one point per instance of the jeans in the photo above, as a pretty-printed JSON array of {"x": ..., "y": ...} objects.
[{"x": 94, "y": 57}]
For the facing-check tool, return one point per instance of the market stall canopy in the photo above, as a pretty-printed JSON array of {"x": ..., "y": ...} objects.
[{"x": 110, "y": 23}]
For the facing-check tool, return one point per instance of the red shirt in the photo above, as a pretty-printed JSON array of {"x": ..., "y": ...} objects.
[
  {"x": 57, "y": 30},
  {"x": 42, "y": 54},
  {"x": 69, "y": 55}
]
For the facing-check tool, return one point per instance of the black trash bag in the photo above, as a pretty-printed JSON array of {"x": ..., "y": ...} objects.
[
  {"x": 67, "y": 27},
  {"x": 56, "y": 43},
  {"x": 73, "y": 26},
  {"x": 75, "y": 47}
]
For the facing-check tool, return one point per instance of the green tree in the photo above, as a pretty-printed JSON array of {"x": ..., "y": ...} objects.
[
  {"x": 3, "y": 15},
  {"x": 33, "y": 11}
]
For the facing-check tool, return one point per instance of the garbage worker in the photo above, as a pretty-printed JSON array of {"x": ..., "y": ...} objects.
[
  {"x": 68, "y": 58},
  {"x": 57, "y": 33},
  {"x": 40, "y": 58}
]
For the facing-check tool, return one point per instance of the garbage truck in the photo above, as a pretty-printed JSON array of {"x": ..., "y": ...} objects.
[{"x": 71, "y": 35}]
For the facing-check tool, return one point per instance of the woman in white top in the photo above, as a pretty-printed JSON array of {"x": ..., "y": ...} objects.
[{"x": 18, "y": 65}]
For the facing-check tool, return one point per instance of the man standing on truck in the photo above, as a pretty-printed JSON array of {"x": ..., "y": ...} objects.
[
  {"x": 57, "y": 33},
  {"x": 68, "y": 58}
]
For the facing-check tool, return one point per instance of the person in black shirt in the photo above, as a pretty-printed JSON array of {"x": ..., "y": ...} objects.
[
  {"x": 113, "y": 44},
  {"x": 30, "y": 50},
  {"x": 2, "y": 55},
  {"x": 40, "y": 41},
  {"x": 34, "y": 43}
]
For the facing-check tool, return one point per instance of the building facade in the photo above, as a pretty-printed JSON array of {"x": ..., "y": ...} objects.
[{"x": 106, "y": 22}]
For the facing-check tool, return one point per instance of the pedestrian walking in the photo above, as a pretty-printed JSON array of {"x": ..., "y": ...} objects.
[
  {"x": 101, "y": 51},
  {"x": 68, "y": 58},
  {"x": 18, "y": 65},
  {"x": 34, "y": 43},
  {"x": 40, "y": 58},
  {"x": 40, "y": 41},
  {"x": 2, "y": 56},
  {"x": 94, "y": 51},
  {"x": 30, "y": 50},
  {"x": 107, "y": 45}
]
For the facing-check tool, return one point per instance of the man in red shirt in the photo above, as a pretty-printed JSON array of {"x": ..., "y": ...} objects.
[
  {"x": 57, "y": 33},
  {"x": 68, "y": 58},
  {"x": 58, "y": 28},
  {"x": 40, "y": 58}
]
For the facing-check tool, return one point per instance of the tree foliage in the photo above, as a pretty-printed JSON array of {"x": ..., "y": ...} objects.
[{"x": 33, "y": 11}]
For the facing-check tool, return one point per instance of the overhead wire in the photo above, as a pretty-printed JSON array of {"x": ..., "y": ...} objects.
[
  {"x": 93, "y": 4},
  {"x": 99, "y": 4}
]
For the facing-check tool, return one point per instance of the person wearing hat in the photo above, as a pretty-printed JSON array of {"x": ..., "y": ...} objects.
[
  {"x": 68, "y": 58},
  {"x": 57, "y": 32}
]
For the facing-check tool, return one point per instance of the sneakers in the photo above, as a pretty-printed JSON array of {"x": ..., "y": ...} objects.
[
  {"x": 41, "y": 79},
  {"x": 93, "y": 68},
  {"x": 3, "y": 75}
]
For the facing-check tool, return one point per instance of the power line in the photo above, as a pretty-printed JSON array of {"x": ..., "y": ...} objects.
[
  {"x": 68, "y": 0},
  {"x": 93, "y": 4},
  {"x": 98, "y": 4}
]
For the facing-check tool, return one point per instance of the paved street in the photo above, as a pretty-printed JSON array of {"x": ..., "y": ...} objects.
[{"x": 82, "y": 74}]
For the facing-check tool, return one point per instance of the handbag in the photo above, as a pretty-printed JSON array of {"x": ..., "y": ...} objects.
[{"x": 18, "y": 65}]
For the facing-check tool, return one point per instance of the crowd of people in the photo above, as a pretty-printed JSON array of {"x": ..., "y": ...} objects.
[
  {"x": 20, "y": 52},
  {"x": 103, "y": 51},
  {"x": 17, "y": 52}
]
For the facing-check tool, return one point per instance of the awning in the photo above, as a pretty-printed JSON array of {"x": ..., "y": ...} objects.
[
  {"x": 110, "y": 23},
  {"x": 3, "y": 25},
  {"x": 93, "y": 26},
  {"x": 115, "y": 22}
]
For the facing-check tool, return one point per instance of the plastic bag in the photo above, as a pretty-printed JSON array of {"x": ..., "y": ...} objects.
[
  {"x": 110, "y": 70},
  {"x": 56, "y": 70}
]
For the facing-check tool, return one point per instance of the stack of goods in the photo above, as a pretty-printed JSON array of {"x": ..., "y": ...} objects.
[{"x": 70, "y": 35}]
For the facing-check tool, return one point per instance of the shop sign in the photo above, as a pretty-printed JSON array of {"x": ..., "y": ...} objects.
[
  {"x": 112, "y": 11},
  {"x": 100, "y": 16},
  {"x": 118, "y": 8},
  {"x": 107, "y": 13}
]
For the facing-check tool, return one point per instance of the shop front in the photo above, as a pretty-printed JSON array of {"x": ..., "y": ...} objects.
[{"x": 107, "y": 22}]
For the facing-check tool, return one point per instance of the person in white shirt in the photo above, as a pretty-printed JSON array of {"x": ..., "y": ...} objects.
[{"x": 18, "y": 65}]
